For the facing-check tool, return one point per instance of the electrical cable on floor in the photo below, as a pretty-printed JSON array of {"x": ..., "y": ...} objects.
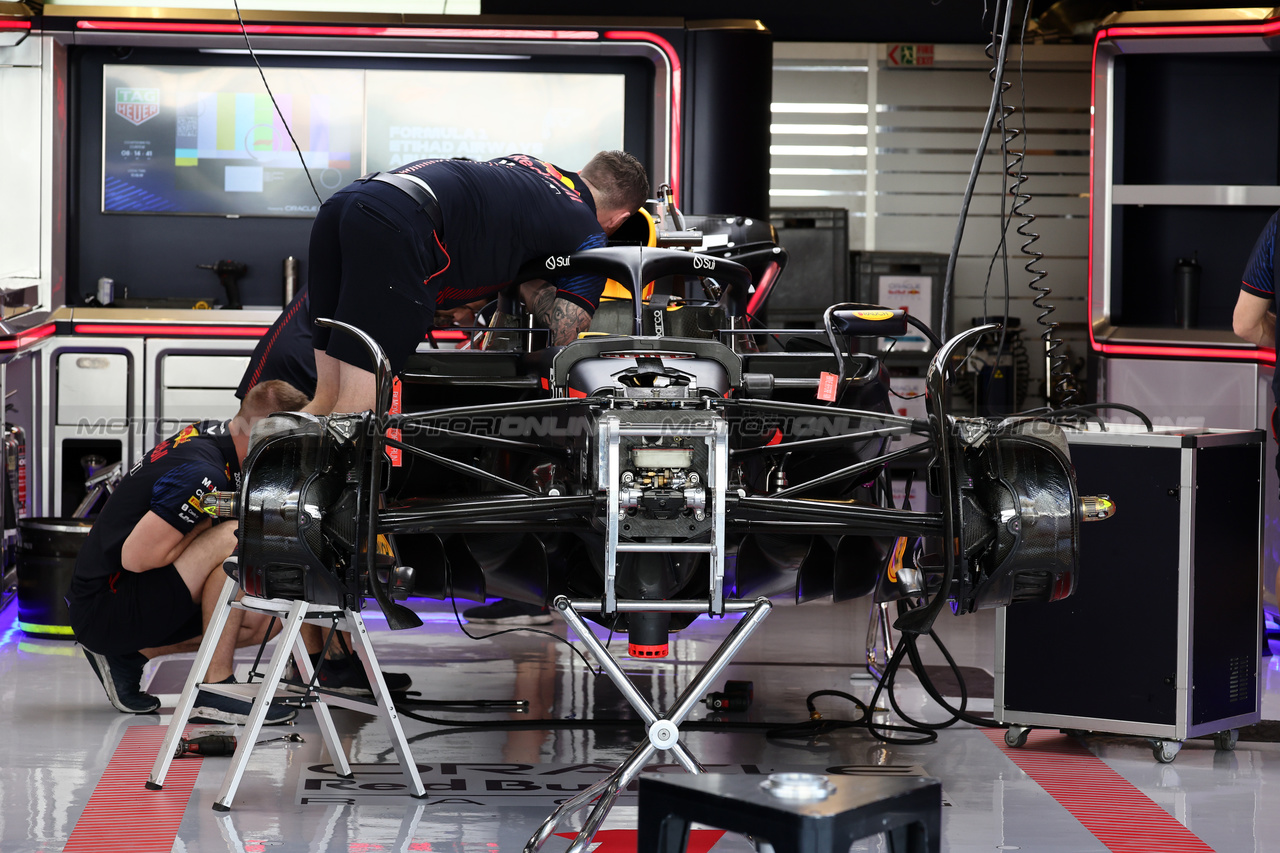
[
  {"x": 448, "y": 577},
  {"x": 919, "y": 732},
  {"x": 815, "y": 725}
]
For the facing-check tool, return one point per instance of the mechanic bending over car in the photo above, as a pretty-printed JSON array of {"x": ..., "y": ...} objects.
[
  {"x": 285, "y": 352},
  {"x": 390, "y": 249},
  {"x": 148, "y": 576}
]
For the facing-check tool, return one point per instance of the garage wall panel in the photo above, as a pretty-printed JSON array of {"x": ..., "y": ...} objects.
[
  {"x": 894, "y": 146},
  {"x": 20, "y": 138}
]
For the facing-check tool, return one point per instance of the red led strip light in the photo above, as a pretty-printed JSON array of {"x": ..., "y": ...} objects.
[
  {"x": 1261, "y": 356},
  {"x": 157, "y": 330},
  {"x": 24, "y": 338},
  {"x": 1267, "y": 29},
  {"x": 674, "y": 59},
  {"x": 15, "y": 25},
  {"x": 431, "y": 32},
  {"x": 1093, "y": 141}
]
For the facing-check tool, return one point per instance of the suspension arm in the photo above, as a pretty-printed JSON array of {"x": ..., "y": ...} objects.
[
  {"x": 539, "y": 509},
  {"x": 856, "y": 518}
]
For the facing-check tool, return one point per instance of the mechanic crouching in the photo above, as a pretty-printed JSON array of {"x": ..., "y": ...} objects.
[{"x": 149, "y": 573}]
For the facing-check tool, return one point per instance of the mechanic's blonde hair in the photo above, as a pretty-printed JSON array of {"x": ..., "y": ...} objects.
[
  {"x": 274, "y": 395},
  {"x": 620, "y": 179}
]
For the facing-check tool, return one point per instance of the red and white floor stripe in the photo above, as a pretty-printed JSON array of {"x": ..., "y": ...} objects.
[
  {"x": 1108, "y": 805},
  {"x": 122, "y": 816}
]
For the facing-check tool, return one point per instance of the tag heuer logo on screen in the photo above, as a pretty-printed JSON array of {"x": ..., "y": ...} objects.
[{"x": 137, "y": 105}]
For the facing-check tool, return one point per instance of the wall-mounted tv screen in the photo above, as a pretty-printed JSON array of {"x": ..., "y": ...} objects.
[
  {"x": 558, "y": 117},
  {"x": 183, "y": 139}
]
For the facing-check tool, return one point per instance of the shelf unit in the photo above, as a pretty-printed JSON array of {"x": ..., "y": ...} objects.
[{"x": 1185, "y": 163}]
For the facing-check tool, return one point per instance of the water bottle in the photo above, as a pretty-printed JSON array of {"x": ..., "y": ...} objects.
[{"x": 290, "y": 275}]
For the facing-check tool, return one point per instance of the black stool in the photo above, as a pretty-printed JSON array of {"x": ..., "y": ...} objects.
[{"x": 907, "y": 808}]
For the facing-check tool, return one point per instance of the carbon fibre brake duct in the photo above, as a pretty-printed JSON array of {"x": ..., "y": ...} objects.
[{"x": 308, "y": 506}]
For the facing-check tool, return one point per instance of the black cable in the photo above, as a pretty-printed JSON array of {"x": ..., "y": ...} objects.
[
  {"x": 1089, "y": 407},
  {"x": 1008, "y": 169},
  {"x": 1085, "y": 408},
  {"x": 958, "y": 714},
  {"x": 448, "y": 577},
  {"x": 816, "y": 725},
  {"x": 884, "y": 359},
  {"x": 244, "y": 32},
  {"x": 876, "y": 730},
  {"x": 311, "y": 691},
  {"x": 1059, "y": 381},
  {"x": 949, "y": 281},
  {"x": 262, "y": 647},
  {"x": 908, "y": 645},
  {"x": 613, "y": 623}
]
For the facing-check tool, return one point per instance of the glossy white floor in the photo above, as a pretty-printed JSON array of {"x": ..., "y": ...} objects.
[{"x": 61, "y": 735}]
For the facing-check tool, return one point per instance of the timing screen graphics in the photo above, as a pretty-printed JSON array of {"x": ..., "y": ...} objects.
[{"x": 207, "y": 140}]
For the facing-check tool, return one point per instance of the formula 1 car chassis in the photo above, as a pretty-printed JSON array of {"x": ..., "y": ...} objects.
[{"x": 654, "y": 479}]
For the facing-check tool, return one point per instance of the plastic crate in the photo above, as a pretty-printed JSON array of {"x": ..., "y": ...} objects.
[
  {"x": 910, "y": 280},
  {"x": 817, "y": 274}
]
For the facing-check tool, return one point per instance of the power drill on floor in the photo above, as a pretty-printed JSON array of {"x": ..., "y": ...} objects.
[
  {"x": 229, "y": 274},
  {"x": 206, "y": 745}
]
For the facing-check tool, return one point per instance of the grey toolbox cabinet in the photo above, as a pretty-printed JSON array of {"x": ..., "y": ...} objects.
[{"x": 1161, "y": 639}]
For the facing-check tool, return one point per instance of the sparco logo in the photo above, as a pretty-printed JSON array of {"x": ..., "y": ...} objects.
[
  {"x": 555, "y": 263},
  {"x": 659, "y": 324},
  {"x": 701, "y": 263}
]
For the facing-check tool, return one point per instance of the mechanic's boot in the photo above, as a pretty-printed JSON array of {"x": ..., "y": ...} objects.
[
  {"x": 121, "y": 677},
  {"x": 216, "y": 708},
  {"x": 346, "y": 675},
  {"x": 504, "y": 611}
]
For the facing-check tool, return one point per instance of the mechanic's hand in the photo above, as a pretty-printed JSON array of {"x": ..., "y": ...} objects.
[{"x": 463, "y": 315}]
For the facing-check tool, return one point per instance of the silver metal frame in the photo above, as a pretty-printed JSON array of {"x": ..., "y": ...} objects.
[
  {"x": 289, "y": 642},
  {"x": 1106, "y": 195},
  {"x": 716, "y": 435},
  {"x": 663, "y": 729}
]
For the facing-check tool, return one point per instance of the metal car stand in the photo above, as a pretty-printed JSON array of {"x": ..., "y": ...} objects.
[
  {"x": 292, "y": 615},
  {"x": 663, "y": 729}
]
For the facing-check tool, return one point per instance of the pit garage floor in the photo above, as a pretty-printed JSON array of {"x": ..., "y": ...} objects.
[{"x": 72, "y": 769}]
